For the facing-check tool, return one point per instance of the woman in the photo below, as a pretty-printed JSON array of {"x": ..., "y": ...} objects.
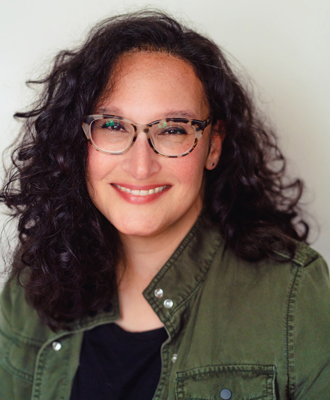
[{"x": 161, "y": 255}]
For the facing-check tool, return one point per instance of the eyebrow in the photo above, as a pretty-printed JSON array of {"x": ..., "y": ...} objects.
[
  {"x": 180, "y": 113},
  {"x": 168, "y": 114},
  {"x": 109, "y": 111}
]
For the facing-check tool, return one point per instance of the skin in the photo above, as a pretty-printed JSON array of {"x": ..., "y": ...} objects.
[{"x": 147, "y": 87}]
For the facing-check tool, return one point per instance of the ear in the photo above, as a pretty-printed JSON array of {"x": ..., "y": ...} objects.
[{"x": 216, "y": 138}]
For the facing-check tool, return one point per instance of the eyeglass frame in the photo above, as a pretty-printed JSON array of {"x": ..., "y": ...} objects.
[{"x": 198, "y": 125}]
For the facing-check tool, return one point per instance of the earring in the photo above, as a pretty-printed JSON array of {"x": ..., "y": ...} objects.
[{"x": 210, "y": 166}]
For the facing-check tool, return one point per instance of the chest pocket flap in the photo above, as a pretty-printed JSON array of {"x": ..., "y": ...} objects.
[{"x": 227, "y": 382}]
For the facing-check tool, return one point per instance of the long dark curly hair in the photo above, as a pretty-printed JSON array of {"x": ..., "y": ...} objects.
[{"x": 68, "y": 251}]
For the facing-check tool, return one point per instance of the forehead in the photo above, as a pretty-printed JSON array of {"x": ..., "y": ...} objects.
[{"x": 156, "y": 81}]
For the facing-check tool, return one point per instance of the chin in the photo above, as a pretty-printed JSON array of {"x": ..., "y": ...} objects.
[
  {"x": 141, "y": 229},
  {"x": 138, "y": 233}
]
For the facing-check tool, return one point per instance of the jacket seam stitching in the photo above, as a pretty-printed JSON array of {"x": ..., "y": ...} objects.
[
  {"x": 290, "y": 318},
  {"x": 65, "y": 378},
  {"x": 266, "y": 369}
]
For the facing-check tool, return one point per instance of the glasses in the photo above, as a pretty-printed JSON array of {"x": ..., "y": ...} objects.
[{"x": 169, "y": 137}]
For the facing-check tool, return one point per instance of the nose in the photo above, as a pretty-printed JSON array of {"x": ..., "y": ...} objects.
[{"x": 141, "y": 161}]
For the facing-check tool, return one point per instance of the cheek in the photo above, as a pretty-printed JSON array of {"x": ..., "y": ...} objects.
[
  {"x": 98, "y": 166},
  {"x": 190, "y": 169}
]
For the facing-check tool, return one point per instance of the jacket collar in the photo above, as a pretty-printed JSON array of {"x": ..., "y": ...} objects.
[{"x": 170, "y": 291}]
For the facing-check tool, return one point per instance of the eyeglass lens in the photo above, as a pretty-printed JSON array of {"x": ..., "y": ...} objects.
[{"x": 168, "y": 137}]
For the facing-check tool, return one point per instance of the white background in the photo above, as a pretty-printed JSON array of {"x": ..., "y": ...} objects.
[{"x": 282, "y": 45}]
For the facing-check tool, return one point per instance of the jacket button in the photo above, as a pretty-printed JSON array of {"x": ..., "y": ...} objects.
[
  {"x": 174, "y": 358},
  {"x": 159, "y": 293},
  {"x": 168, "y": 303},
  {"x": 56, "y": 346},
  {"x": 225, "y": 394}
]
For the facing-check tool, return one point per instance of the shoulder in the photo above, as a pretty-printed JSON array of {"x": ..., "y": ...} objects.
[
  {"x": 18, "y": 318},
  {"x": 277, "y": 275},
  {"x": 305, "y": 261},
  {"x": 311, "y": 276},
  {"x": 281, "y": 289}
]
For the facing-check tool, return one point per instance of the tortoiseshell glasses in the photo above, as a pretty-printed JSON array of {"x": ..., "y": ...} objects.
[{"x": 169, "y": 137}]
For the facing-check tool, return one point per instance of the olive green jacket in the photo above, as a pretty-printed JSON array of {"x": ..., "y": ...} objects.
[{"x": 237, "y": 330}]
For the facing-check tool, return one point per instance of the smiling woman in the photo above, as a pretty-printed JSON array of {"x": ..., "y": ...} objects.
[{"x": 161, "y": 253}]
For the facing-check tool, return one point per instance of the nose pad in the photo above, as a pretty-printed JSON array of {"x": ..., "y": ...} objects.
[
  {"x": 152, "y": 146},
  {"x": 140, "y": 161},
  {"x": 148, "y": 134},
  {"x": 146, "y": 130}
]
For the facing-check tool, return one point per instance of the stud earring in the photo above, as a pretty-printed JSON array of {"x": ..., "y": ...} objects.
[{"x": 210, "y": 166}]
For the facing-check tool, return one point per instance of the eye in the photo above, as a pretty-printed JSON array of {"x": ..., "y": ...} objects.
[
  {"x": 112, "y": 125},
  {"x": 172, "y": 130}
]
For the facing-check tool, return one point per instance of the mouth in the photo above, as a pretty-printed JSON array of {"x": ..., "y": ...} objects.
[{"x": 142, "y": 192}]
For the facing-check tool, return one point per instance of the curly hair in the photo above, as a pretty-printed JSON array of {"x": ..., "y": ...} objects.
[{"x": 68, "y": 251}]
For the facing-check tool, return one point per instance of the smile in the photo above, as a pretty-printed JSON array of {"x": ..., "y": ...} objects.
[{"x": 135, "y": 192}]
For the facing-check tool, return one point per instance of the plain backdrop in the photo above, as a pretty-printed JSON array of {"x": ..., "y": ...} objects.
[{"x": 281, "y": 47}]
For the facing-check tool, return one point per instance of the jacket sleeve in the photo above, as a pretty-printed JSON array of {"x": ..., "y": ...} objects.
[{"x": 308, "y": 337}]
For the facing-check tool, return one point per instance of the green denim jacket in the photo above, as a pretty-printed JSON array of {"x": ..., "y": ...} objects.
[{"x": 236, "y": 330}]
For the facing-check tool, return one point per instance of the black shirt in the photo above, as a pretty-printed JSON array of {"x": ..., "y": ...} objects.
[{"x": 118, "y": 365}]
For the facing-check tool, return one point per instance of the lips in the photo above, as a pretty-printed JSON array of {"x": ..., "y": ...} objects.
[{"x": 141, "y": 192}]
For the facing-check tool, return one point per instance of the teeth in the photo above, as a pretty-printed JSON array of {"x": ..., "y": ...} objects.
[{"x": 141, "y": 192}]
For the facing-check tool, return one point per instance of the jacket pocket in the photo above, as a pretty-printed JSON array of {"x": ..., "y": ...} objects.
[{"x": 227, "y": 382}]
